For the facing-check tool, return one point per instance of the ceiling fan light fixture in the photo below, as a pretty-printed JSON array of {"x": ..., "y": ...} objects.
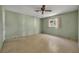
[{"x": 43, "y": 9}]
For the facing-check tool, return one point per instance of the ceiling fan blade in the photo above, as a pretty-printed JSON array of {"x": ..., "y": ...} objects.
[
  {"x": 37, "y": 10},
  {"x": 48, "y": 10}
]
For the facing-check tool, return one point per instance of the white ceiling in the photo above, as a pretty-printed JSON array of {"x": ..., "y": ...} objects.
[{"x": 30, "y": 9}]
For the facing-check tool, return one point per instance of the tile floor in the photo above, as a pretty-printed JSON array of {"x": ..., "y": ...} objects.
[{"x": 40, "y": 43}]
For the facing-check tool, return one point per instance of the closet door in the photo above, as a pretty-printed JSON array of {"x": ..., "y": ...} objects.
[
  {"x": 28, "y": 25},
  {"x": 12, "y": 25},
  {"x": 25, "y": 25},
  {"x": 36, "y": 25}
]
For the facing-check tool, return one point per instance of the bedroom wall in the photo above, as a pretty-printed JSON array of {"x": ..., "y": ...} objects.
[
  {"x": 78, "y": 27},
  {"x": 68, "y": 29},
  {"x": 1, "y": 28},
  {"x": 17, "y": 24}
]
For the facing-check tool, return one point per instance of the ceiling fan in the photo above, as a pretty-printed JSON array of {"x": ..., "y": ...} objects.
[{"x": 43, "y": 9}]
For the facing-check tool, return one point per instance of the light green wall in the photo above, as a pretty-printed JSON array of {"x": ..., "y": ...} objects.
[
  {"x": 78, "y": 27},
  {"x": 20, "y": 25},
  {"x": 68, "y": 27},
  {"x": 31, "y": 25},
  {"x": 78, "y": 23},
  {"x": 1, "y": 28}
]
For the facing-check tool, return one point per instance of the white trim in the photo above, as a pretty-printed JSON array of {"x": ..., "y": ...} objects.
[{"x": 3, "y": 18}]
